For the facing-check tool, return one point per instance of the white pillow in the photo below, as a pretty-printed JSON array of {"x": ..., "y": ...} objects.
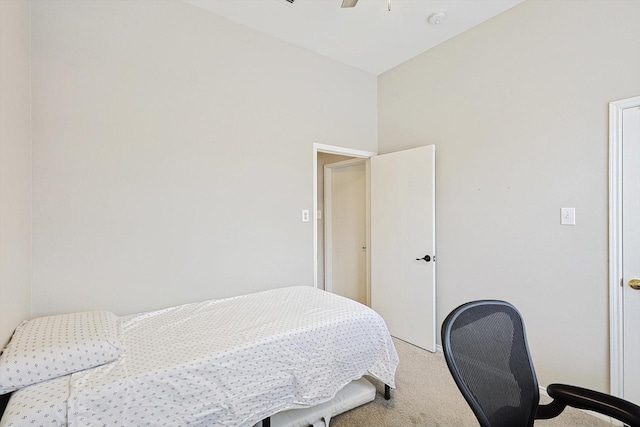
[{"x": 48, "y": 347}]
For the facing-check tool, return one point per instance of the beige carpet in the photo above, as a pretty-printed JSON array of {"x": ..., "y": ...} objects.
[{"x": 426, "y": 396}]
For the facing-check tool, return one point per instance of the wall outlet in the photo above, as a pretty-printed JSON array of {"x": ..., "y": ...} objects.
[{"x": 305, "y": 215}]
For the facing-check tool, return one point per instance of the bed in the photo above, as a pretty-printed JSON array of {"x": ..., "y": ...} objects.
[{"x": 229, "y": 362}]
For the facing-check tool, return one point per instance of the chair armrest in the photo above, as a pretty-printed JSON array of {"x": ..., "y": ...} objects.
[
  {"x": 551, "y": 410},
  {"x": 591, "y": 400}
]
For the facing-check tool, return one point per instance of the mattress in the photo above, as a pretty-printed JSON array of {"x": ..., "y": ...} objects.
[{"x": 230, "y": 362}]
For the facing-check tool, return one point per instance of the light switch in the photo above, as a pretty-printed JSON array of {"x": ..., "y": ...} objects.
[{"x": 568, "y": 216}]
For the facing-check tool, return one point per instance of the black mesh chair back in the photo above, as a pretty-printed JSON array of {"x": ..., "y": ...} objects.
[{"x": 486, "y": 349}]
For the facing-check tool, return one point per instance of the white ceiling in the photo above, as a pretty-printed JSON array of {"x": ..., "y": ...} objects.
[{"x": 368, "y": 36}]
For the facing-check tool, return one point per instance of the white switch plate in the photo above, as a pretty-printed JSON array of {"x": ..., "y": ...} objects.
[
  {"x": 305, "y": 215},
  {"x": 568, "y": 216}
]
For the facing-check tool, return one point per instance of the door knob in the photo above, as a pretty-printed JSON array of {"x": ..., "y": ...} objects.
[
  {"x": 635, "y": 284},
  {"x": 426, "y": 258}
]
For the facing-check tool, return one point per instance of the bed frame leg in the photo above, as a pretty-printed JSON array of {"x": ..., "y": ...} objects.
[
  {"x": 266, "y": 422},
  {"x": 387, "y": 392}
]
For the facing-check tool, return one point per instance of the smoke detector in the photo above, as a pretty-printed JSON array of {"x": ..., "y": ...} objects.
[{"x": 437, "y": 17}]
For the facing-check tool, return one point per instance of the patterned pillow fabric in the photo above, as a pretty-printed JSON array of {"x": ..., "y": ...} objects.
[{"x": 48, "y": 347}]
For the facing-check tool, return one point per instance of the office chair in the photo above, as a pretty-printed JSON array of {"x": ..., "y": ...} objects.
[{"x": 486, "y": 350}]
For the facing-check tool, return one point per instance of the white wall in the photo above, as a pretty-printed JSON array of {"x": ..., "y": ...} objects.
[
  {"x": 172, "y": 154},
  {"x": 15, "y": 167},
  {"x": 517, "y": 108}
]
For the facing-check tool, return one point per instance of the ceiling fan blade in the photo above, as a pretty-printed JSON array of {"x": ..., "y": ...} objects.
[{"x": 349, "y": 3}]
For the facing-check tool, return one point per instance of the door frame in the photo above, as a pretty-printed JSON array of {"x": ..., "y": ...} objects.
[
  {"x": 328, "y": 222},
  {"x": 330, "y": 149},
  {"x": 616, "y": 313}
]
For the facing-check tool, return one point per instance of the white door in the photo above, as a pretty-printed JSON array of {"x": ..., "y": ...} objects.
[
  {"x": 403, "y": 243},
  {"x": 631, "y": 252},
  {"x": 345, "y": 229}
]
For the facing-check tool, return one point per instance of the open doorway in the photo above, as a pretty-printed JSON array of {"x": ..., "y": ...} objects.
[
  {"x": 322, "y": 155},
  {"x": 345, "y": 229},
  {"x": 323, "y": 160}
]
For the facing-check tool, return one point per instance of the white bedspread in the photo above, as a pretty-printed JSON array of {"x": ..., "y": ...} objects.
[{"x": 235, "y": 361}]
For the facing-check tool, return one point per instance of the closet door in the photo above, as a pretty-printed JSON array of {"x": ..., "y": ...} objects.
[{"x": 631, "y": 251}]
